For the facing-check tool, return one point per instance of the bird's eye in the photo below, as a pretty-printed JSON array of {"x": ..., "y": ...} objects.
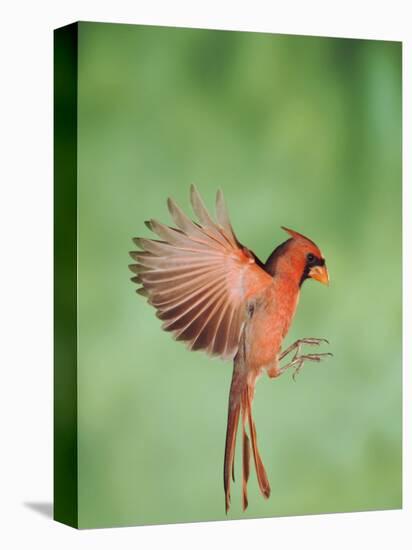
[{"x": 310, "y": 257}]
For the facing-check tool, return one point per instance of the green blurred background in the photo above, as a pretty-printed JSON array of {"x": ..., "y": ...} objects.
[{"x": 300, "y": 131}]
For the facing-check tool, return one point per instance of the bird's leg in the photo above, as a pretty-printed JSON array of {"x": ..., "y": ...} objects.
[
  {"x": 274, "y": 371},
  {"x": 297, "y": 345},
  {"x": 298, "y": 361}
]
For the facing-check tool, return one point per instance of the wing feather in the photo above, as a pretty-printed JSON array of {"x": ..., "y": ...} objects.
[
  {"x": 222, "y": 215},
  {"x": 198, "y": 277}
]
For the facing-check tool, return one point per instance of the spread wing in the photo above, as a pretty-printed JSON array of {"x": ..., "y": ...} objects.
[{"x": 199, "y": 277}]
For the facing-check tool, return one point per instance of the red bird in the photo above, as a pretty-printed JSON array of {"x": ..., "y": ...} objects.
[{"x": 214, "y": 294}]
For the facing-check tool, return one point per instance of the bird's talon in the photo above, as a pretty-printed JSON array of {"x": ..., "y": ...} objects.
[
  {"x": 298, "y": 362},
  {"x": 296, "y": 346}
]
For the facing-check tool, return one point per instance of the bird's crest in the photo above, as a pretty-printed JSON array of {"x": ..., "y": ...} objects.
[{"x": 295, "y": 234}]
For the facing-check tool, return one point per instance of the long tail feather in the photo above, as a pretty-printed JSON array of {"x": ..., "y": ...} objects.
[
  {"x": 232, "y": 424},
  {"x": 246, "y": 462},
  {"x": 260, "y": 469}
]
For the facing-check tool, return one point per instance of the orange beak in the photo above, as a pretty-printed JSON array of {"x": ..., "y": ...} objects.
[{"x": 320, "y": 273}]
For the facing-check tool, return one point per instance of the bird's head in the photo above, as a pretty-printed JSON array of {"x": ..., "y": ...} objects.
[
  {"x": 306, "y": 258},
  {"x": 298, "y": 258}
]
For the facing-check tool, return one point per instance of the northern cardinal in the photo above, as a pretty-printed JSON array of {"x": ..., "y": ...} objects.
[{"x": 214, "y": 294}]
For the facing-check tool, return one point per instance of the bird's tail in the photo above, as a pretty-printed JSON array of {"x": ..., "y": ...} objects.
[{"x": 240, "y": 401}]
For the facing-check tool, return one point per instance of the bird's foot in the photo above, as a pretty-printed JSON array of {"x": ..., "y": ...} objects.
[
  {"x": 299, "y": 343},
  {"x": 298, "y": 362}
]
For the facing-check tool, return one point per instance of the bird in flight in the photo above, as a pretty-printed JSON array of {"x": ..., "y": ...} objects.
[{"x": 215, "y": 295}]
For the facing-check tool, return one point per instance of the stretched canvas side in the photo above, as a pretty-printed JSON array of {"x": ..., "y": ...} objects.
[{"x": 65, "y": 275}]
